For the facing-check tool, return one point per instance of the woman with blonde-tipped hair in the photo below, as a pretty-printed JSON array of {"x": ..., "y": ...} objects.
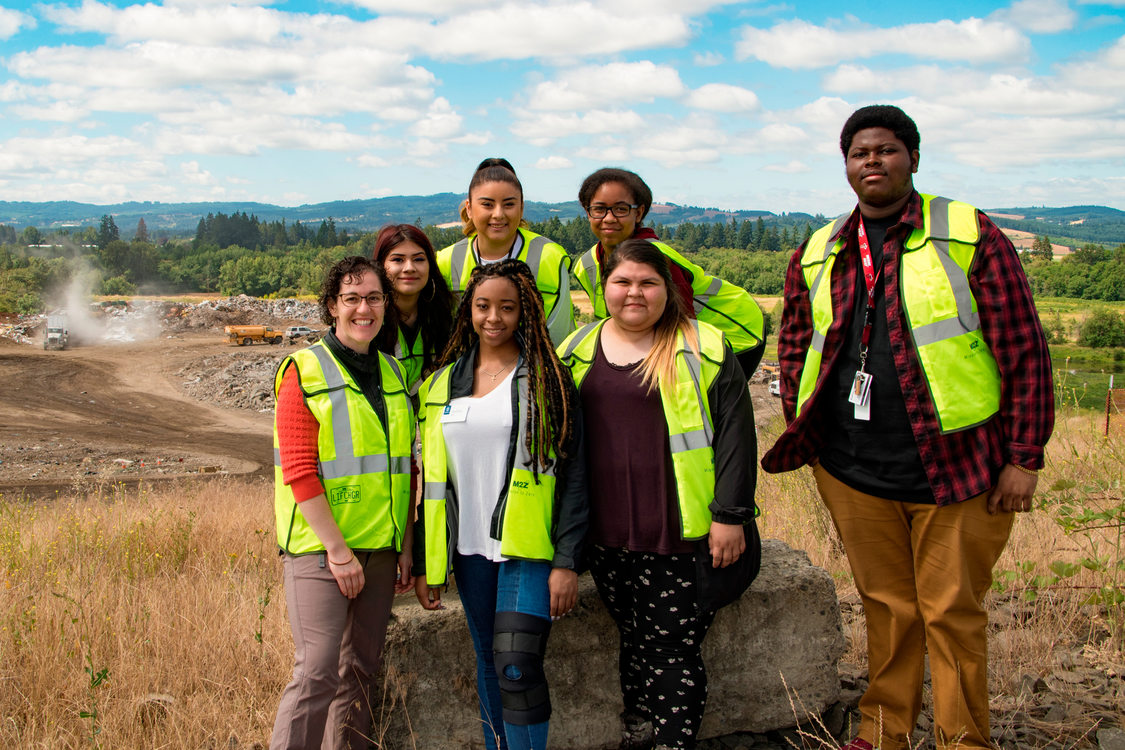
[{"x": 671, "y": 464}]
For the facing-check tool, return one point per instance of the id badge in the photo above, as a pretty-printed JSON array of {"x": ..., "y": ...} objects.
[
  {"x": 860, "y": 391},
  {"x": 454, "y": 413},
  {"x": 860, "y": 395}
]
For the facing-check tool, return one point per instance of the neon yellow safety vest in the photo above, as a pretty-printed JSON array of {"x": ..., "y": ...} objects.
[
  {"x": 366, "y": 476},
  {"x": 960, "y": 371},
  {"x": 729, "y": 308},
  {"x": 412, "y": 358},
  {"x": 525, "y": 509},
  {"x": 691, "y": 430},
  {"x": 547, "y": 260}
]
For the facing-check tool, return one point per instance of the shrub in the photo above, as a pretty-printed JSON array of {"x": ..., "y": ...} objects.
[{"x": 1103, "y": 328}]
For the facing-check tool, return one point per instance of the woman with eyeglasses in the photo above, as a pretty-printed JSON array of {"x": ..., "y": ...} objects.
[
  {"x": 421, "y": 299},
  {"x": 343, "y": 430},
  {"x": 494, "y": 229},
  {"x": 616, "y": 202},
  {"x": 504, "y": 504},
  {"x": 670, "y": 455}
]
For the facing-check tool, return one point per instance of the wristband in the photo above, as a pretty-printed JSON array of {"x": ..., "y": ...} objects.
[
  {"x": 1025, "y": 470},
  {"x": 337, "y": 564}
]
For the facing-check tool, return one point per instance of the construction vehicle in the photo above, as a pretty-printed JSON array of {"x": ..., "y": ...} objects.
[
  {"x": 57, "y": 335},
  {"x": 247, "y": 335}
]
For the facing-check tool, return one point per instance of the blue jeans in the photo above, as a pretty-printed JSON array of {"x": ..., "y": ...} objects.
[{"x": 487, "y": 588}]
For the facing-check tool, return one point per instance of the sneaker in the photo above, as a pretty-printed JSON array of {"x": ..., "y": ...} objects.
[{"x": 858, "y": 744}]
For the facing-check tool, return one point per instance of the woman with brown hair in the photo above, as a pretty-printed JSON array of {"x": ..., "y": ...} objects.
[
  {"x": 343, "y": 430},
  {"x": 421, "y": 299},
  {"x": 494, "y": 229},
  {"x": 671, "y": 464}
]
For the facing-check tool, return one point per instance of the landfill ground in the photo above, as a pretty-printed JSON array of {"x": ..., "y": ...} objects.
[{"x": 149, "y": 391}]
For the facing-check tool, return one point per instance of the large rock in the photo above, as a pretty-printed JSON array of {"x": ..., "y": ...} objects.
[{"x": 771, "y": 659}]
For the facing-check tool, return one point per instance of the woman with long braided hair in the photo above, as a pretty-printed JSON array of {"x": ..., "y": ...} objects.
[{"x": 504, "y": 494}]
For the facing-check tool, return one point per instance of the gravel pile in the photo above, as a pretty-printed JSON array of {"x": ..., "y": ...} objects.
[{"x": 241, "y": 380}]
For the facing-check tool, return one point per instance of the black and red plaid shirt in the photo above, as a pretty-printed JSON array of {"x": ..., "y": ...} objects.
[{"x": 959, "y": 465}]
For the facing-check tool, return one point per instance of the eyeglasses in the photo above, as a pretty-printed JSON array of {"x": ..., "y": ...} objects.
[
  {"x": 620, "y": 210},
  {"x": 375, "y": 299}
]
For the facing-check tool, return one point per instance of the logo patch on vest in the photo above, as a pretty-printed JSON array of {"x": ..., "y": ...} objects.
[
  {"x": 341, "y": 495},
  {"x": 521, "y": 485}
]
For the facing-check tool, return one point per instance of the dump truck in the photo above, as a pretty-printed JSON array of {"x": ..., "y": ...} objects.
[
  {"x": 247, "y": 335},
  {"x": 57, "y": 335}
]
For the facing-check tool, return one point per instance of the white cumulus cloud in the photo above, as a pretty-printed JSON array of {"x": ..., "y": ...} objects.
[
  {"x": 592, "y": 86},
  {"x": 1039, "y": 16},
  {"x": 12, "y": 21},
  {"x": 800, "y": 44},
  {"x": 723, "y": 97},
  {"x": 553, "y": 162}
]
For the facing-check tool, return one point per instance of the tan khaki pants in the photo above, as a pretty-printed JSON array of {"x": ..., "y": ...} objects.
[
  {"x": 338, "y": 651},
  {"x": 921, "y": 572}
]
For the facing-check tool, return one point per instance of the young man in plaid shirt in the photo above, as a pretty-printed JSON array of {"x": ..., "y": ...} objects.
[{"x": 916, "y": 381}]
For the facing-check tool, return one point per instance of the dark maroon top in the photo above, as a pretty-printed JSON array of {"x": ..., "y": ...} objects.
[{"x": 633, "y": 501}]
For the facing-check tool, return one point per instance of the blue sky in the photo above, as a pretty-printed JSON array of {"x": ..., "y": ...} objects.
[{"x": 725, "y": 104}]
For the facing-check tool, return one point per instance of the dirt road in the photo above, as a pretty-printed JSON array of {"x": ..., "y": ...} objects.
[
  {"x": 117, "y": 412},
  {"x": 150, "y": 410}
]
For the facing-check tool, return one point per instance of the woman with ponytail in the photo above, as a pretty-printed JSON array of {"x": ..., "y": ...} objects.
[{"x": 494, "y": 229}]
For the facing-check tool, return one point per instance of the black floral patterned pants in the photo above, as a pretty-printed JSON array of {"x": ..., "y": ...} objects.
[{"x": 652, "y": 599}]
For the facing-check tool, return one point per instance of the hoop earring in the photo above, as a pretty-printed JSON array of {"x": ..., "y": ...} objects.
[{"x": 433, "y": 290}]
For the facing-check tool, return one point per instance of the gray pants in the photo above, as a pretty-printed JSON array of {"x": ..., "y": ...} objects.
[{"x": 339, "y": 648}]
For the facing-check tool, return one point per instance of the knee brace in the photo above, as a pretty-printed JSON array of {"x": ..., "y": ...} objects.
[{"x": 518, "y": 644}]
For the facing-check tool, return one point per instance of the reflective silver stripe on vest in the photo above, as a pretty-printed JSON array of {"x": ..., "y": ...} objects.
[
  {"x": 535, "y": 253},
  {"x": 457, "y": 264},
  {"x": 695, "y": 367},
  {"x": 433, "y": 491},
  {"x": 818, "y": 341},
  {"x": 397, "y": 367},
  {"x": 277, "y": 457},
  {"x": 688, "y": 441},
  {"x": 828, "y": 245},
  {"x": 588, "y": 266},
  {"x": 579, "y": 337},
  {"x": 966, "y": 319},
  {"x": 346, "y": 463},
  {"x": 350, "y": 466},
  {"x": 712, "y": 289}
]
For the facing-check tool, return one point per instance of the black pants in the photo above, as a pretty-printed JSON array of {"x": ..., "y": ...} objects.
[{"x": 652, "y": 599}]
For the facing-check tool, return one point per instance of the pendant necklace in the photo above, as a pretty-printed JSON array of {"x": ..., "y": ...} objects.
[{"x": 493, "y": 376}]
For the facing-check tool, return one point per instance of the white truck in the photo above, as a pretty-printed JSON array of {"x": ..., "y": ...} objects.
[{"x": 57, "y": 335}]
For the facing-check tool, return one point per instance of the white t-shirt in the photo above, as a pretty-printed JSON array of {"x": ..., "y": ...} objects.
[{"x": 477, "y": 434}]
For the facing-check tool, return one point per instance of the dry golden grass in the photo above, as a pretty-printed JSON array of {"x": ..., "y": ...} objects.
[
  {"x": 175, "y": 591},
  {"x": 169, "y": 590}
]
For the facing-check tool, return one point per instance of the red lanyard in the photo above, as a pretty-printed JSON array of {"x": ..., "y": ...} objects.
[{"x": 870, "y": 276}]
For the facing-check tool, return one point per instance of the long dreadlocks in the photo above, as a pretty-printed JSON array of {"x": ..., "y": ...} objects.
[{"x": 553, "y": 399}]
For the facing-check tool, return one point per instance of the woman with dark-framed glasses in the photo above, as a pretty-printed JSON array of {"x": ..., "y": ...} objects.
[
  {"x": 343, "y": 431},
  {"x": 616, "y": 202}
]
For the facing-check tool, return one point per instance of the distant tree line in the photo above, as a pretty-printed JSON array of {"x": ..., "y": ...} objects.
[
  {"x": 1091, "y": 272},
  {"x": 240, "y": 254},
  {"x": 241, "y": 230}
]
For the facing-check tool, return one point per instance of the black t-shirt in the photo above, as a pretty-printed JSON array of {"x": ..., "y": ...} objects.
[{"x": 879, "y": 456}]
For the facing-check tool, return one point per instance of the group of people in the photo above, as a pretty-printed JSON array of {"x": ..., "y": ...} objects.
[{"x": 453, "y": 422}]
